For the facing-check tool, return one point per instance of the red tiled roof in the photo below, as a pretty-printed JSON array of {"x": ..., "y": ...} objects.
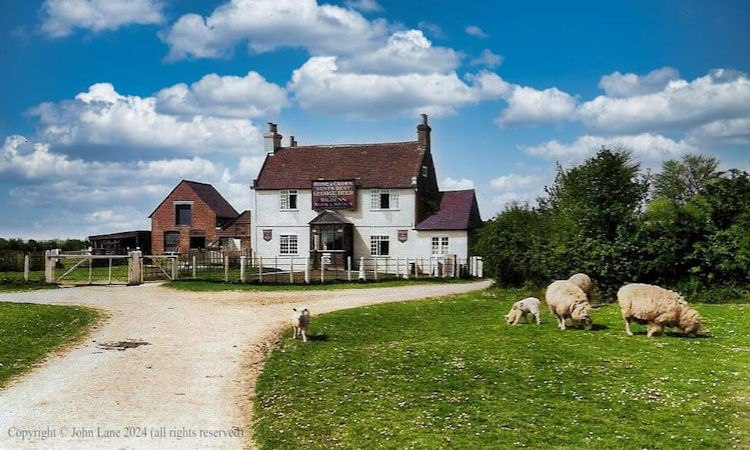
[
  {"x": 458, "y": 211},
  {"x": 218, "y": 204},
  {"x": 386, "y": 165}
]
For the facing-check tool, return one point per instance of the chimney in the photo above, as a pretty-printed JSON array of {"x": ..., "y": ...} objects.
[
  {"x": 292, "y": 141},
  {"x": 423, "y": 133},
  {"x": 271, "y": 139}
]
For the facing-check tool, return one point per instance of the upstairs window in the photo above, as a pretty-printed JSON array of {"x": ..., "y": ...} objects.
[
  {"x": 183, "y": 214},
  {"x": 288, "y": 199},
  {"x": 440, "y": 245},
  {"x": 424, "y": 171},
  {"x": 288, "y": 244},
  {"x": 379, "y": 246},
  {"x": 383, "y": 199}
]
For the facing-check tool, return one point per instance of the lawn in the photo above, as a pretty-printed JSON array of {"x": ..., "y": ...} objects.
[
  {"x": 29, "y": 332},
  {"x": 204, "y": 286},
  {"x": 450, "y": 373}
]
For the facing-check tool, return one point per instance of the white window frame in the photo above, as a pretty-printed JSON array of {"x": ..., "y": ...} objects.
[
  {"x": 291, "y": 241},
  {"x": 284, "y": 199},
  {"x": 375, "y": 199},
  {"x": 440, "y": 245},
  {"x": 375, "y": 248}
]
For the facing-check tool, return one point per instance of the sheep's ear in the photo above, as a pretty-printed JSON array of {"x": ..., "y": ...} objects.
[{"x": 294, "y": 309}]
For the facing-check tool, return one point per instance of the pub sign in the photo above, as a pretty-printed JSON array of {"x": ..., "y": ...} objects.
[
  {"x": 334, "y": 194},
  {"x": 403, "y": 235},
  {"x": 267, "y": 235}
]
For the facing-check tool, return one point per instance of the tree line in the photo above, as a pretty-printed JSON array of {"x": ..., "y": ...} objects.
[
  {"x": 33, "y": 246},
  {"x": 686, "y": 227}
]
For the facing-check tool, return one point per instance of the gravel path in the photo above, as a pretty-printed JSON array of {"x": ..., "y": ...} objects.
[{"x": 190, "y": 387}]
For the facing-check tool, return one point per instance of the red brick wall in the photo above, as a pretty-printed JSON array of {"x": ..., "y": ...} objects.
[{"x": 163, "y": 220}]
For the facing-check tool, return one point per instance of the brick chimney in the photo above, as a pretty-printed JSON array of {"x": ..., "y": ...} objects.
[
  {"x": 271, "y": 139},
  {"x": 292, "y": 141},
  {"x": 423, "y": 133}
]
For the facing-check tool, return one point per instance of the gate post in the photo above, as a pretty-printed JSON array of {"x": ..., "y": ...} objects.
[
  {"x": 361, "y": 275},
  {"x": 349, "y": 269},
  {"x": 175, "y": 266},
  {"x": 307, "y": 270},
  {"x": 49, "y": 267},
  {"x": 26, "y": 268},
  {"x": 226, "y": 268},
  {"x": 243, "y": 263},
  {"x": 135, "y": 268}
]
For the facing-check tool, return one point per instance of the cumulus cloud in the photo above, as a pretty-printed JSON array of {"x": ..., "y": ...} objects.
[
  {"x": 617, "y": 84},
  {"x": 269, "y": 24},
  {"x": 514, "y": 181},
  {"x": 226, "y": 96},
  {"x": 487, "y": 58},
  {"x": 319, "y": 85},
  {"x": 60, "y": 17},
  {"x": 103, "y": 117},
  {"x": 529, "y": 106},
  {"x": 452, "y": 184},
  {"x": 475, "y": 31},
  {"x": 364, "y": 5},
  {"x": 433, "y": 29},
  {"x": 645, "y": 147}
]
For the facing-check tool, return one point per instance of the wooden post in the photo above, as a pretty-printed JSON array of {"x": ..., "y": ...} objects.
[
  {"x": 480, "y": 267},
  {"x": 174, "y": 268},
  {"x": 307, "y": 270},
  {"x": 26, "y": 268},
  {"x": 291, "y": 270},
  {"x": 135, "y": 268},
  {"x": 398, "y": 267},
  {"x": 260, "y": 269},
  {"x": 322, "y": 269},
  {"x": 109, "y": 280},
  {"x": 49, "y": 267},
  {"x": 243, "y": 264},
  {"x": 361, "y": 275},
  {"x": 406, "y": 269},
  {"x": 349, "y": 269},
  {"x": 195, "y": 269},
  {"x": 375, "y": 269},
  {"x": 91, "y": 265}
]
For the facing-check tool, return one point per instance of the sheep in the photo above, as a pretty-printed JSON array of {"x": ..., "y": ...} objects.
[
  {"x": 657, "y": 307},
  {"x": 583, "y": 281},
  {"x": 300, "y": 322},
  {"x": 566, "y": 300},
  {"x": 521, "y": 308}
]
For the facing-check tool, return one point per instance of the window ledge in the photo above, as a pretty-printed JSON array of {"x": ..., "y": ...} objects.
[
  {"x": 385, "y": 209},
  {"x": 289, "y": 210}
]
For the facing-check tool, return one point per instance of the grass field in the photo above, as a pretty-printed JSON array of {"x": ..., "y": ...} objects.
[
  {"x": 450, "y": 373},
  {"x": 29, "y": 332},
  {"x": 203, "y": 286}
]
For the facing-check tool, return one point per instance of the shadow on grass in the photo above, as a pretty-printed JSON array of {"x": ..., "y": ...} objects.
[
  {"x": 317, "y": 337},
  {"x": 674, "y": 334}
]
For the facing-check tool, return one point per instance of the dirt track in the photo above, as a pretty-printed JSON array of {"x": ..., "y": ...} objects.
[{"x": 193, "y": 380}]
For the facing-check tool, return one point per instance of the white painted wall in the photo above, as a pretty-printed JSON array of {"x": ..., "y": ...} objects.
[{"x": 367, "y": 222}]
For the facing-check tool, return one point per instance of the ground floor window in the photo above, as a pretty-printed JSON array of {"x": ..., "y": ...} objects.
[
  {"x": 171, "y": 241},
  {"x": 288, "y": 244},
  {"x": 379, "y": 246},
  {"x": 440, "y": 245}
]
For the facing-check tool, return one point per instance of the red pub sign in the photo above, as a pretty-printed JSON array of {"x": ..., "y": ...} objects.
[{"x": 334, "y": 194}]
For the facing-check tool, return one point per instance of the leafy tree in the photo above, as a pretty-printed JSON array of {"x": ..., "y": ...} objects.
[{"x": 681, "y": 180}]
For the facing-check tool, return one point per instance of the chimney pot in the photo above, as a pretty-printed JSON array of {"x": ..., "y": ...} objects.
[
  {"x": 292, "y": 141},
  {"x": 271, "y": 127},
  {"x": 424, "y": 119},
  {"x": 423, "y": 133}
]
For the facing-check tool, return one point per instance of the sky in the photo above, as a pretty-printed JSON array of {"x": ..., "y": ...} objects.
[{"x": 105, "y": 105}]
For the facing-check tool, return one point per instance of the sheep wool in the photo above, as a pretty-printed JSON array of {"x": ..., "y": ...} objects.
[
  {"x": 583, "y": 281},
  {"x": 658, "y": 308},
  {"x": 566, "y": 300}
]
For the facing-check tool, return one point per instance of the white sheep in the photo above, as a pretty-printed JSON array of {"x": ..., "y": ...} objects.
[
  {"x": 568, "y": 301},
  {"x": 521, "y": 308},
  {"x": 583, "y": 281},
  {"x": 658, "y": 308},
  {"x": 300, "y": 322}
]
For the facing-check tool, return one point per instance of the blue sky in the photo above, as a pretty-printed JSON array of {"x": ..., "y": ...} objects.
[{"x": 106, "y": 104}]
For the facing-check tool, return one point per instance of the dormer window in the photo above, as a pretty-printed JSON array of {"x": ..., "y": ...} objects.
[
  {"x": 288, "y": 199},
  {"x": 383, "y": 199}
]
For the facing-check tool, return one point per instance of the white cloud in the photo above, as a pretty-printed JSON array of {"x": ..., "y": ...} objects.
[
  {"x": 60, "y": 17},
  {"x": 514, "y": 181},
  {"x": 475, "y": 31},
  {"x": 529, "y": 106},
  {"x": 452, "y": 184},
  {"x": 364, "y": 5},
  {"x": 487, "y": 58},
  {"x": 103, "y": 117},
  {"x": 731, "y": 131},
  {"x": 405, "y": 52},
  {"x": 720, "y": 95},
  {"x": 433, "y": 29},
  {"x": 269, "y": 24},
  {"x": 319, "y": 85},
  {"x": 630, "y": 84},
  {"x": 645, "y": 147},
  {"x": 226, "y": 96}
]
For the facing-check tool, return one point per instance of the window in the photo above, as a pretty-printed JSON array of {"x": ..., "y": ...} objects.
[
  {"x": 383, "y": 199},
  {"x": 440, "y": 245},
  {"x": 171, "y": 241},
  {"x": 288, "y": 244},
  {"x": 183, "y": 214},
  {"x": 197, "y": 242},
  {"x": 424, "y": 171},
  {"x": 328, "y": 237},
  {"x": 379, "y": 246},
  {"x": 288, "y": 199}
]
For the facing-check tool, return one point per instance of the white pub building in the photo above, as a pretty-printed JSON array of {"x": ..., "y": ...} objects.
[{"x": 341, "y": 203}]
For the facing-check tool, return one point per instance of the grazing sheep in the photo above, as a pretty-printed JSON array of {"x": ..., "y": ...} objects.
[
  {"x": 568, "y": 301},
  {"x": 583, "y": 281},
  {"x": 657, "y": 307},
  {"x": 300, "y": 322},
  {"x": 521, "y": 308}
]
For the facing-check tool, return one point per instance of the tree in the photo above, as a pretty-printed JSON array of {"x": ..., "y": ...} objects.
[{"x": 681, "y": 180}]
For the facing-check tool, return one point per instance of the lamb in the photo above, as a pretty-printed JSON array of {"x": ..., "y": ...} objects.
[
  {"x": 583, "y": 281},
  {"x": 657, "y": 307},
  {"x": 568, "y": 301},
  {"x": 521, "y": 308},
  {"x": 300, "y": 322}
]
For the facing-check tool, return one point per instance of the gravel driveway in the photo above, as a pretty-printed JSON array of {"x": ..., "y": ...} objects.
[{"x": 189, "y": 387}]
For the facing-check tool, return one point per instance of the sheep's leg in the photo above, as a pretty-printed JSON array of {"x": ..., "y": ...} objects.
[
  {"x": 653, "y": 329},
  {"x": 538, "y": 320},
  {"x": 294, "y": 334},
  {"x": 627, "y": 326},
  {"x": 304, "y": 335},
  {"x": 562, "y": 322}
]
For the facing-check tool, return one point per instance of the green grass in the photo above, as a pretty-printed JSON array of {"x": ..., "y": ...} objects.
[
  {"x": 29, "y": 332},
  {"x": 20, "y": 286},
  {"x": 207, "y": 286},
  {"x": 450, "y": 373}
]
